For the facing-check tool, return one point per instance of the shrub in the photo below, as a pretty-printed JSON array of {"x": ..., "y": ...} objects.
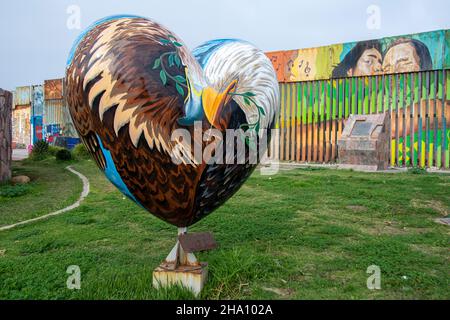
[
  {"x": 12, "y": 191},
  {"x": 39, "y": 151},
  {"x": 417, "y": 170},
  {"x": 52, "y": 150},
  {"x": 80, "y": 152},
  {"x": 63, "y": 155}
]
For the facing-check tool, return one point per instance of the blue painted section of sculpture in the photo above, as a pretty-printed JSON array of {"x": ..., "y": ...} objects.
[{"x": 114, "y": 176}]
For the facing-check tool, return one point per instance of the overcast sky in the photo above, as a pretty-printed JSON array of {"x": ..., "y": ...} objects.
[{"x": 35, "y": 37}]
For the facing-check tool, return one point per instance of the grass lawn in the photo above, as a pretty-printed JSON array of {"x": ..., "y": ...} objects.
[
  {"x": 302, "y": 234},
  {"x": 52, "y": 188}
]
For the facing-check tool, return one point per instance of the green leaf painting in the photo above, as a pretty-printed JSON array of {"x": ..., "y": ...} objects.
[
  {"x": 164, "y": 41},
  {"x": 180, "y": 79},
  {"x": 163, "y": 77},
  {"x": 157, "y": 63},
  {"x": 177, "y": 60},
  {"x": 179, "y": 89},
  {"x": 252, "y": 127},
  {"x": 169, "y": 60}
]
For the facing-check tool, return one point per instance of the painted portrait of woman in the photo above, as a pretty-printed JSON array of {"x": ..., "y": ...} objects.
[{"x": 364, "y": 58}]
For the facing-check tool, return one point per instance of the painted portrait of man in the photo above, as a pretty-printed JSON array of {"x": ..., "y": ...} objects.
[{"x": 406, "y": 55}]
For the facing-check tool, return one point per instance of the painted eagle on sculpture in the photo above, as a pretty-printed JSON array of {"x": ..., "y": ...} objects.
[{"x": 131, "y": 83}]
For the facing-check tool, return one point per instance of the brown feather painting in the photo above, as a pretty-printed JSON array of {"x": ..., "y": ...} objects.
[{"x": 175, "y": 131}]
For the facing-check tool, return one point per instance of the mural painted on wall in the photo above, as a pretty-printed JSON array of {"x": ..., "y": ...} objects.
[
  {"x": 37, "y": 109},
  {"x": 369, "y": 58},
  {"x": 277, "y": 58},
  {"x": 410, "y": 53},
  {"x": 48, "y": 117},
  {"x": 38, "y": 100},
  {"x": 21, "y": 129},
  {"x": 309, "y": 109},
  {"x": 52, "y": 131},
  {"x": 435, "y": 138},
  {"x": 53, "y": 89},
  {"x": 22, "y": 96},
  {"x": 57, "y": 120},
  {"x": 67, "y": 126},
  {"x": 127, "y": 124}
]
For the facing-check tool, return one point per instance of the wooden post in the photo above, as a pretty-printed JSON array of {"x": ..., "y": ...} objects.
[{"x": 5, "y": 135}]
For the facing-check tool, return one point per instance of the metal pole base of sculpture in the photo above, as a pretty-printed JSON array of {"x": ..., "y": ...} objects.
[{"x": 181, "y": 267}]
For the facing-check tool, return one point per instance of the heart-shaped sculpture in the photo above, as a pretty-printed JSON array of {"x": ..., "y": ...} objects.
[{"x": 166, "y": 125}]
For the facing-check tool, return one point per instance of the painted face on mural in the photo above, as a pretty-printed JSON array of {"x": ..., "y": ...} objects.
[
  {"x": 368, "y": 58},
  {"x": 401, "y": 57},
  {"x": 369, "y": 63}
]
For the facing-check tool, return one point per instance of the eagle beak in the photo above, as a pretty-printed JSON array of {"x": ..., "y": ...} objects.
[{"x": 213, "y": 103}]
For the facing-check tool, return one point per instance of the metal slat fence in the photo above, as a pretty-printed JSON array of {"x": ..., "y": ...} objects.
[{"x": 313, "y": 114}]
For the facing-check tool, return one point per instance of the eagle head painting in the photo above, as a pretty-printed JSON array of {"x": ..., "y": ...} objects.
[{"x": 131, "y": 84}]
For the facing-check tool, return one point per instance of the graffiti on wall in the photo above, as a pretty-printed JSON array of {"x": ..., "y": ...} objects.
[
  {"x": 40, "y": 113},
  {"x": 57, "y": 120},
  {"x": 22, "y": 96},
  {"x": 21, "y": 126},
  {"x": 411, "y": 53},
  {"x": 21, "y": 133},
  {"x": 37, "y": 109}
]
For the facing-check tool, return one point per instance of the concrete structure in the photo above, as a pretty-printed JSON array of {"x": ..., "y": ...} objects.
[
  {"x": 181, "y": 267},
  {"x": 364, "y": 143},
  {"x": 5, "y": 135}
]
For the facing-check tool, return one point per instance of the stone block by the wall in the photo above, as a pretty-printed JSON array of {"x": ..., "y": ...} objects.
[{"x": 364, "y": 143}]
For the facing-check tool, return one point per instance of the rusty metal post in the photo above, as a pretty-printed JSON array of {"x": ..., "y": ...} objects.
[
  {"x": 5, "y": 135},
  {"x": 181, "y": 267}
]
